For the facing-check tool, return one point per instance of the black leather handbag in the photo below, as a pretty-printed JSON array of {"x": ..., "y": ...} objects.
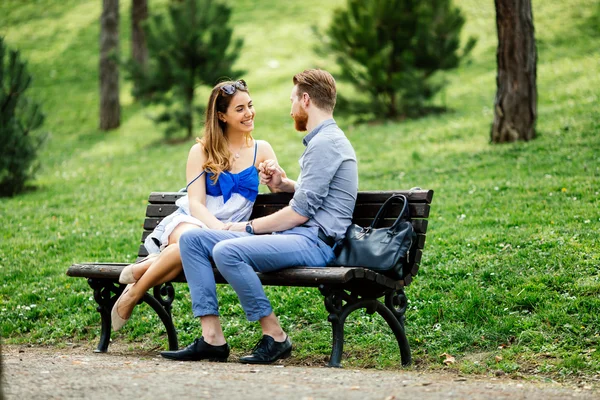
[{"x": 380, "y": 249}]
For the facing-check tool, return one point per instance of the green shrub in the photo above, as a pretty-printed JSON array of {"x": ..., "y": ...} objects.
[
  {"x": 391, "y": 50},
  {"x": 19, "y": 118}
]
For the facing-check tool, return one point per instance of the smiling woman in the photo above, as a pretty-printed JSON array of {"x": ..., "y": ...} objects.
[{"x": 222, "y": 176}]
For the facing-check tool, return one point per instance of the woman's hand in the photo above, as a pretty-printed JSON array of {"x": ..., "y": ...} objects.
[
  {"x": 270, "y": 173},
  {"x": 235, "y": 226},
  {"x": 221, "y": 226}
]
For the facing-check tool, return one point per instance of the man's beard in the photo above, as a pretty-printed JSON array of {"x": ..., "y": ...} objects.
[{"x": 300, "y": 120}]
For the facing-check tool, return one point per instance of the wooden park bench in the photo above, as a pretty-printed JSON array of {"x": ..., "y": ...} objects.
[{"x": 344, "y": 289}]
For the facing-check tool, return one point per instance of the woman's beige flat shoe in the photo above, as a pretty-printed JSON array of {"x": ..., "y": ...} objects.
[
  {"x": 126, "y": 275},
  {"x": 115, "y": 319}
]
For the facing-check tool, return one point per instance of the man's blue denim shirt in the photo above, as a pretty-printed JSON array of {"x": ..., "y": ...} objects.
[{"x": 328, "y": 183}]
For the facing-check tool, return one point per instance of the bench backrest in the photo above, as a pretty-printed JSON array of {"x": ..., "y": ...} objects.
[{"x": 161, "y": 204}]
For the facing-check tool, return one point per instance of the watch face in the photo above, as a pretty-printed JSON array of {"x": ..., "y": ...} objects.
[{"x": 249, "y": 228}]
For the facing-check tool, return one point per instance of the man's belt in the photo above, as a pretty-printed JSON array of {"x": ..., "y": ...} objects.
[{"x": 328, "y": 240}]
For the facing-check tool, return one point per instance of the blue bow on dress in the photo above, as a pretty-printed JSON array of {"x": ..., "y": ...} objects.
[{"x": 244, "y": 183}]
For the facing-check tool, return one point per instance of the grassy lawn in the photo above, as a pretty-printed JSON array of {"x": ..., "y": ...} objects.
[{"x": 510, "y": 276}]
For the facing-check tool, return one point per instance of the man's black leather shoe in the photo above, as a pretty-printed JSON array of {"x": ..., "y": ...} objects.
[
  {"x": 267, "y": 351},
  {"x": 199, "y": 350}
]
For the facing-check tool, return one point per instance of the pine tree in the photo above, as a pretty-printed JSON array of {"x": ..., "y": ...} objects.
[
  {"x": 190, "y": 45},
  {"x": 19, "y": 118},
  {"x": 390, "y": 49}
]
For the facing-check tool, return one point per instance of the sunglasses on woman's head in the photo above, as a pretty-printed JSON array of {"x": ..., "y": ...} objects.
[{"x": 231, "y": 88}]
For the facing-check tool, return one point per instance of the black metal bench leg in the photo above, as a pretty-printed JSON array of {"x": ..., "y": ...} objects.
[
  {"x": 338, "y": 321},
  {"x": 102, "y": 294},
  {"x": 165, "y": 318},
  {"x": 160, "y": 303},
  {"x": 337, "y": 328},
  {"x": 338, "y": 313},
  {"x": 105, "y": 334},
  {"x": 333, "y": 304},
  {"x": 393, "y": 313}
]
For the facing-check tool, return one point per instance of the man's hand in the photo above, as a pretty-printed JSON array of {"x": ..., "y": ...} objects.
[
  {"x": 235, "y": 226},
  {"x": 271, "y": 174}
]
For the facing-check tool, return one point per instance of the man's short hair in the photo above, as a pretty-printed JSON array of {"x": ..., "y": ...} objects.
[{"x": 319, "y": 85}]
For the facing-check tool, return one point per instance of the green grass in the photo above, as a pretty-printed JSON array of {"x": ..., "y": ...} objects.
[{"x": 511, "y": 264}]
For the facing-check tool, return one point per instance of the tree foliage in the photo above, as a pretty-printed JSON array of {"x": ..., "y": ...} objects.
[
  {"x": 191, "y": 44},
  {"x": 19, "y": 118},
  {"x": 391, "y": 49},
  {"x": 592, "y": 24}
]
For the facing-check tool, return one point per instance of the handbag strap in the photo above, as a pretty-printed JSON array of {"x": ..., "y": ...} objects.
[{"x": 384, "y": 208}]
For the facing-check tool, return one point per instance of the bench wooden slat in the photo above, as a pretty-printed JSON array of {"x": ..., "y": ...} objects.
[
  {"x": 421, "y": 240},
  {"x": 263, "y": 198},
  {"x": 164, "y": 197},
  {"x": 142, "y": 252},
  {"x": 160, "y": 210},
  {"x": 413, "y": 196},
  {"x": 297, "y": 276},
  {"x": 415, "y": 270},
  {"x": 151, "y": 223},
  {"x": 420, "y": 225},
  {"x": 417, "y": 210},
  {"x": 369, "y": 210}
]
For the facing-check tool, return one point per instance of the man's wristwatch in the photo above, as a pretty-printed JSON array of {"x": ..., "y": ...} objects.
[{"x": 249, "y": 228}]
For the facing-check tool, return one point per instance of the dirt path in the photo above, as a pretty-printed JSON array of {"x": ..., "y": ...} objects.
[{"x": 69, "y": 373}]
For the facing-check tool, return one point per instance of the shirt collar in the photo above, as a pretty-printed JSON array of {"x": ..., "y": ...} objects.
[{"x": 319, "y": 127}]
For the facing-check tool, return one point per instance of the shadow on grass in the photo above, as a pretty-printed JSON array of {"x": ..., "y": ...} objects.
[
  {"x": 27, "y": 13},
  {"x": 28, "y": 188},
  {"x": 171, "y": 141},
  {"x": 96, "y": 135},
  {"x": 570, "y": 42},
  {"x": 359, "y": 112},
  {"x": 591, "y": 25}
]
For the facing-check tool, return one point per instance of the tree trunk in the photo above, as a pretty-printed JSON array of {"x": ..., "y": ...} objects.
[
  {"x": 189, "y": 104},
  {"x": 515, "y": 106},
  {"x": 110, "y": 108},
  {"x": 139, "y": 49}
]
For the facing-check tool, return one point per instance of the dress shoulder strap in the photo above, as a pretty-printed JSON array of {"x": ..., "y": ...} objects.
[
  {"x": 194, "y": 180},
  {"x": 255, "y": 151}
]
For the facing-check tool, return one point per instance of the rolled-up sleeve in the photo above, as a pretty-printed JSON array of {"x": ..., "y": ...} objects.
[{"x": 320, "y": 162}]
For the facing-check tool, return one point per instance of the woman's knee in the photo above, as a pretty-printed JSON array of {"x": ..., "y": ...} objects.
[{"x": 182, "y": 228}]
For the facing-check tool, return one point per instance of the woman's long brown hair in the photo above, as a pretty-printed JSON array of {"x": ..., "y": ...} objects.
[{"x": 218, "y": 155}]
